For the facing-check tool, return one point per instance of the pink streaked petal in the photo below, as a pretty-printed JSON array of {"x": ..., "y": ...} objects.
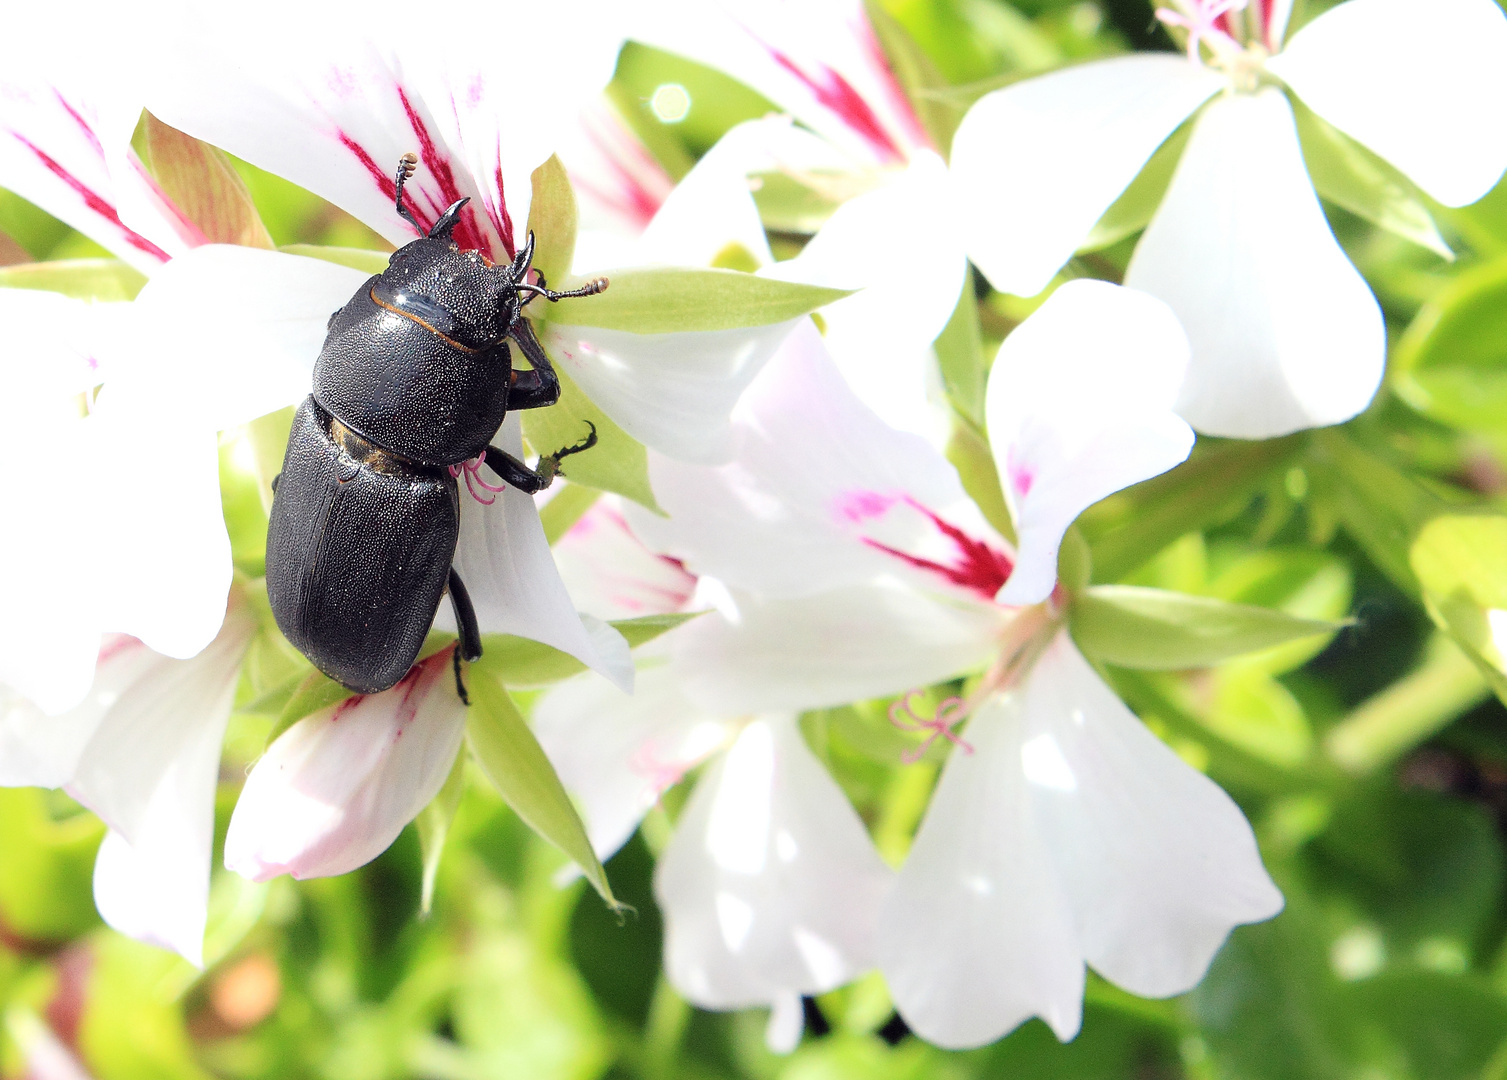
[
  {"x": 337, "y": 787},
  {"x": 337, "y": 122},
  {"x": 611, "y": 575},
  {"x": 619, "y": 184}
]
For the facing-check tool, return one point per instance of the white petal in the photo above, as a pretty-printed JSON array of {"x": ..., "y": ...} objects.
[
  {"x": 337, "y": 787},
  {"x": 818, "y": 61},
  {"x": 157, "y": 890},
  {"x": 65, "y": 129},
  {"x": 1285, "y": 333},
  {"x": 1422, "y": 86},
  {"x": 505, "y": 562},
  {"x": 977, "y": 936},
  {"x": 712, "y": 206},
  {"x": 41, "y": 750},
  {"x": 333, "y": 111},
  {"x": 1037, "y": 163},
  {"x": 226, "y": 334},
  {"x": 901, "y": 246},
  {"x": 616, "y": 755},
  {"x": 770, "y": 883},
  {"x": 619, "y": 184},
  {"x": 1079, "y": 405},
  {"x": 155, "y": 753},
  {"x": 832, "y": 648},
  {"x": 787, "y": 1023},
  {"x": 611, "y": 575},
  {"x": 814, "y": 478},
  {"x": 1158, "y": 863},
  {"x": 672, "y": 392}
]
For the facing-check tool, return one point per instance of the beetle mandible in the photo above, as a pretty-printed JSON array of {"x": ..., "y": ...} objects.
[{"x": 412, "y": 383}]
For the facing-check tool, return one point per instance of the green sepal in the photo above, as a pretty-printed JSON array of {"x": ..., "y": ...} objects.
[
  {"x": 1451, "y": 363},
  {"x": 373, "y": 262},
  {"x": 513, "y": 760},
  {"x": 1461, "y": 564},
  {"x": 1352, "y": 177},
  {"x": 521, "y": 663},
  {"x": 917, "y": 75},
  {"x": 552, "y": 220},
  {"x": 317, "y": 691},
  {"x": 433, "y": 825},
  {"x": 617, "y": 463},
  {"x": 1156, "y": 630},
  {"x": 960, "y": 355},
  {"x": 202, "y": 183},
  {"x": 1133, "y": 210},
  {"x": 82, "y": 279},
  {"x": 970, "y": 455},
  {"x": 669, "y": 300}
]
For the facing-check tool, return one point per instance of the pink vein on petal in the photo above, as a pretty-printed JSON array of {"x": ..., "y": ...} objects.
[
  {"x": 837, "y": 94},
  {"x": 978, "y": 567},
  {"x": 92, "y": 199},
  {"x": 83, "y": 125}
]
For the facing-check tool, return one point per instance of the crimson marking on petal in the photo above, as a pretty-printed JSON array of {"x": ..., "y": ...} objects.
[
  {"x": 82, "y": 123},
  {"x": 837, "y": 94},
  {"x": 502, "y": 219},
  {"x": 93, "y": 200},
  {"x": 466, "y": 234},
  {"x": 859, "y": 506},
  {"x": 417, "y": 684},
  {"x": 115, "y": 645},
  {"x": 980, "y": 568}
]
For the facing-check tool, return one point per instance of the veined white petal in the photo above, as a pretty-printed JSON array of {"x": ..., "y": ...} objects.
[
  {"x": 505, "y": 562},
  {"x": 226, "y": 334},
  {"x": 901, "y": 247},
  {"x": 818, "y": 61},
  {"x": 333, "y": 111},
  {"x": 1079, "y": 405},
  {"x": 672, "y": 392},
  {"x": 813, "y": 471},
  {"x": 1422, "y": 86},
  {"x": 153, "y": 760},
  {"x": 1285, "y": 333},
  {"x": 157, "y": 890},
  {"x": 43, "y": 751},
  {"x": 1037, "y": 163},
  {"x": 770, "y": 884},
  {"x": 831, "y": 648},
  {"x": 1158, "y": 864},
  {"x": 616, "y": 755},
  {"x": 977, "y": 936},
  {"x": 611, "y": 575},
  {"x": 337, "y": 787}
]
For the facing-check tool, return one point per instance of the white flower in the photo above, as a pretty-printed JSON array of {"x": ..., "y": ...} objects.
[
  {"x": 1062, "y": 831},
  {"x": 1286, "y": 335},
  {"x": 143, "y": 752},
  {"x": 894, "y": 238},
  {"x": 335, "y": 789}
]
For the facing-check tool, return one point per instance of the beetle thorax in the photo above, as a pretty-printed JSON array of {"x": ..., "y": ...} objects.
[{"x": 459, "y": 295}]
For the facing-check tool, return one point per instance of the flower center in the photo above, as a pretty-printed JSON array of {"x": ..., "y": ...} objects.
[
  {"x": 472, "y": 471},
  {"x": 1224, "y": 35}
]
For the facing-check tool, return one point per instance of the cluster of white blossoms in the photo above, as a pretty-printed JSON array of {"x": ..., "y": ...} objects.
[{"x": 805, "y": 511}]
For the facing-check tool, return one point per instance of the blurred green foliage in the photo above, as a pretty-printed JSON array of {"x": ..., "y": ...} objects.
[{"x": 1372, "y": 758}]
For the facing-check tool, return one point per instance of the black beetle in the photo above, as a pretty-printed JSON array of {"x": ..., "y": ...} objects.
[{"x": 413, "y": 381}]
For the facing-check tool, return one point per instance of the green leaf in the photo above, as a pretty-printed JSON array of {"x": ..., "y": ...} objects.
[
  {"x": 960, "y": 354},
  {"x": 513, "y": 760},
  {"x": 1380, "y": 506},
  {"x": 1212, "y": 486},
  {"x": 373, "y": 262},
  {"x": 317, "y": 691},
  {"x": 434, "y": 825},
  {"x": 1133, "y": 210},
  {"x": 566, "y": 508},
  {"x": 1352, "y": 177},
  {"x": 45, "y": 875},
  {"x": 970, "y": 455},
  {"x": 202, "y": 183},
  {"x": 521, "y": 663},
  {"x": 83, "y": 279},
  {"x": 668, "y": 300},
  {"x": 917, "y": 75},
  {"x": 1155, "y": 630},
  {"x": 552, "y": 220},
  {"x": 617, "y": 463},
  {"x": 1451, "y": 363},
  {"x": 788, "y": 205},
  {"x": 1461, "y": 563}
]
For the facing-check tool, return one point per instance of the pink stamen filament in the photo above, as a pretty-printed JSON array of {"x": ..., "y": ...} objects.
[
  {"x": 1203, "y": 25},
  {"x": 951, "y": 711},
  {"x": 472, "y": 471}
]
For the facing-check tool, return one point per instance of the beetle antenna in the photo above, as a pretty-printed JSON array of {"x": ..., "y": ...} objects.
[
  {"x": 591, "y": 288},
  {"x": 406, "y": 165}
]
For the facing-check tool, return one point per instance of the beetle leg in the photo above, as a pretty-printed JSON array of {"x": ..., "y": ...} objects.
[
  {"x": 460, "y": 684},
  {"x": 469, "y": 645},
  {"x": 537, "y": 479},
  {"x": 532, "y": 389}
]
